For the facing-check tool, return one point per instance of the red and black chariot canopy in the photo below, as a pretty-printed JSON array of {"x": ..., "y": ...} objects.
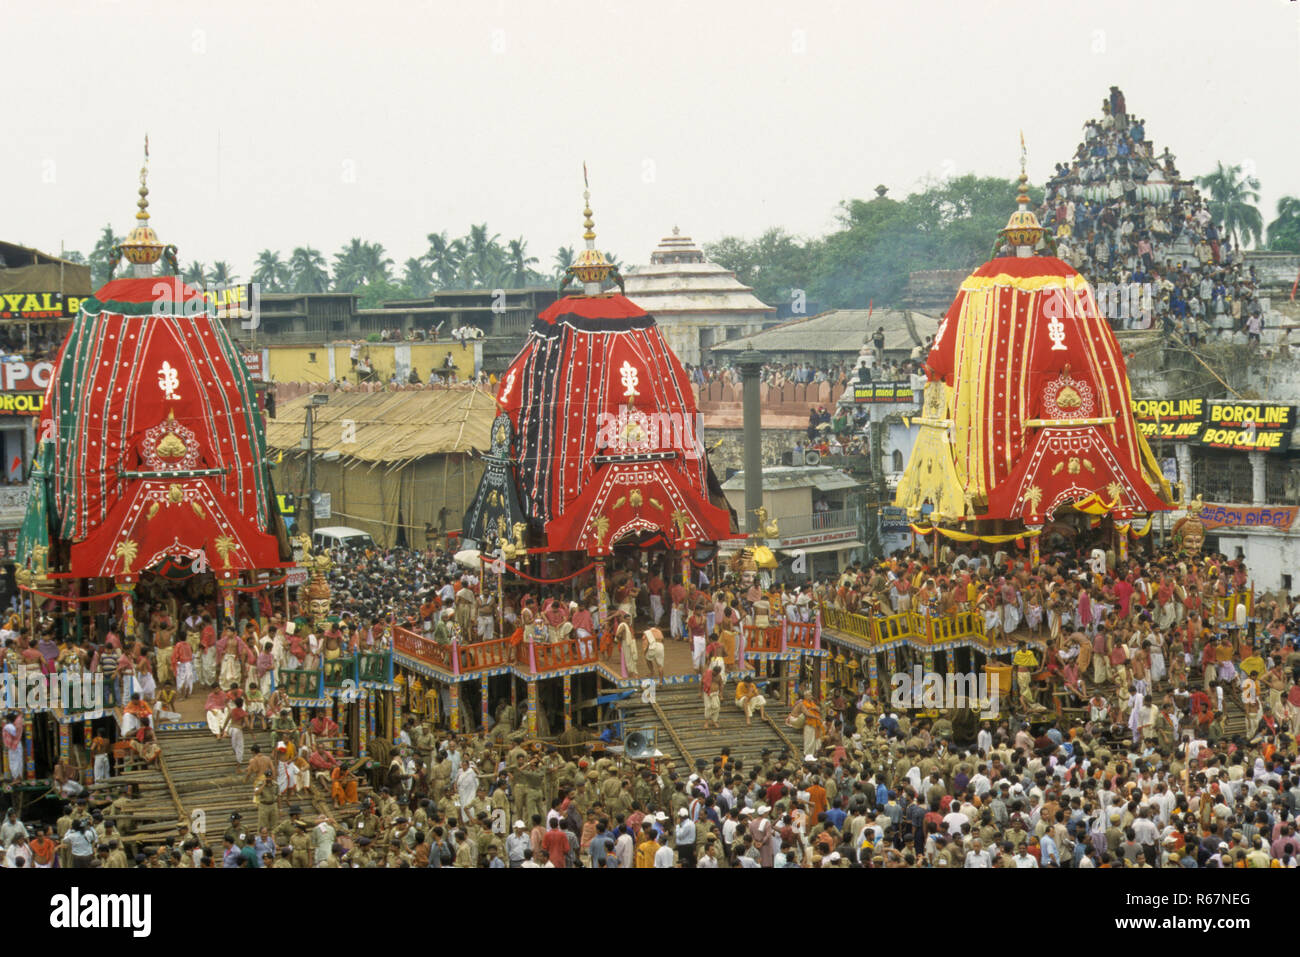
[{"x": 607, "y": 440}]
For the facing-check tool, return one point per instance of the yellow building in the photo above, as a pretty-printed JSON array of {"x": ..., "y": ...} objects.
[{"x": 333, "y": 362}]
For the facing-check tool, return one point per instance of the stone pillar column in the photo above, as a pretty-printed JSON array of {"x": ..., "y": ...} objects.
[
  {"x": 1258, "y": 485},
  {"x": 751, "y": 366},
  {"x": 1183, "y": 454}
]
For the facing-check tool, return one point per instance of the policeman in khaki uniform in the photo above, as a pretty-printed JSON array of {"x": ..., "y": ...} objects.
[
  {"x": 300, "y": 845},
  {"x": 267, "y": 797}
]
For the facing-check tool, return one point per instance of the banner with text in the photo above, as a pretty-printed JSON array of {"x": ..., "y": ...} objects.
[
  {"x": 31, "y": 306},
  {"x": 1217, "y": 424},
  {"x": 1248, "y": 516},
  {"x": 884, "y": 392}
]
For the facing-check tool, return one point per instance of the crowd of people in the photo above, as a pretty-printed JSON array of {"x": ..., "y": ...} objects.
[
  {"x": 1148, "y": 724},
  {"x": 1144, "y": 237},
  {"x": 775, "y": 374}
]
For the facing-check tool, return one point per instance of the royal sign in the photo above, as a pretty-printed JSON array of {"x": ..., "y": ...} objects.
[{"x": 38, "y": 305}]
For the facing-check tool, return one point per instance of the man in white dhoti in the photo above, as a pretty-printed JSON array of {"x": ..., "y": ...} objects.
[
  {"x": 466, "y": 788},
  {"x": 1135, "y": 713}
]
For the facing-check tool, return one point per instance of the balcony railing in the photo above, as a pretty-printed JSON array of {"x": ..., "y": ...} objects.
[
  {"x": 817, "y": 521},
  {"x": 461, "y": 659}
]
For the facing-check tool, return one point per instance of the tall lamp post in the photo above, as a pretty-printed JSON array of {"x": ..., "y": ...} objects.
[{"x": 308, "y": 445}]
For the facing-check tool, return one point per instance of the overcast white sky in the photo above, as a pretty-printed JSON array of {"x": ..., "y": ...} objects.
[{"x": 284, "y": 122}]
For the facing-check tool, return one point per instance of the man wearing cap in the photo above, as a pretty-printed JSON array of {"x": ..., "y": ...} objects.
[
  {"x": 517, "y": 842},
  {"x": 685, "y": 838},
  {"x": 267, "y": 797},
  {"x": 760, "y": 831}
]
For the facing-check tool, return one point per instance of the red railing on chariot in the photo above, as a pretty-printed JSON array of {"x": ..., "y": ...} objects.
[
  {"x": 408, "y": 643},
  {"x": 762, "y": 639},
  {"x": 553, "y": 656},
  {"x": 484, "y": 654},
  {"x": 801, "y": 634}
]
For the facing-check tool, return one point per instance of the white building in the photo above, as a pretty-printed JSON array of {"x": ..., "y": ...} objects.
[{"x": 696, "y": 303}]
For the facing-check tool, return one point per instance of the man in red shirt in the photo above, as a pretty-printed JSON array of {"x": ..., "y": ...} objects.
[
  {"x": 656, "y": 588},
  {"x": 183, "y": 663},
  {"x": 555, "y": 843}
]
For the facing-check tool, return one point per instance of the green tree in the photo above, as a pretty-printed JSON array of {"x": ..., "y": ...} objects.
[
  {"x": 946, "y": 225},
  {"x": 1233, "y": 196},
  {"x": 222, "y": 274},
  {"x": 359, "y": 263},
  {"x": 1284, "y": 232},
  {"x": 774, "y": 265},
  {"x": 416, "y": 278},
  {"x": 309, "y": 270},
  {"x": 73, "y": 256},
  {"x": 521, "y": 271},
  {"x": 271, "y": 272},
  {"x": 484, "y": 264},
  {"x": 444, "y": 257},
  {"x": 101, "y": 256},
  {"x": 379, "y": 291},
  {"x": 196, "y": 274},
  {"x": 563, "y": 260}
]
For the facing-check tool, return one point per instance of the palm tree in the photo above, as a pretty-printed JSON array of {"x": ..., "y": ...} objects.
[
  {"x": 1284, "y": 232},
  {"x": 101, "y": 256},
  {"x": 444, "y": 257},
  {"x": 222, "y": 275},
  {"x": 309, "y": 271},
  {"x": 484, "y": 258},
  {"x": 415, "y": 275},
  {"x": 520, "y": 262},
  {"x": 271, "y": 272},
  {"x": 196, "y": 274},
  {"x": 378, "y": 267},
  {"x": 563, "y": 260},
  {"x": 1232, "y": 202},
  {"x": 349, "y": 267}
]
